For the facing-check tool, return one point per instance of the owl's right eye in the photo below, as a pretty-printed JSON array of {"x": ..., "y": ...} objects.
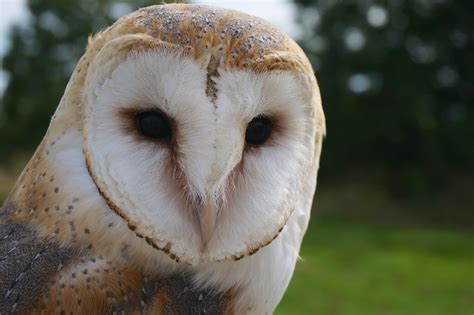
[
  {"x": 258, "y": 131},
  {"x": 153, "y": 125}
]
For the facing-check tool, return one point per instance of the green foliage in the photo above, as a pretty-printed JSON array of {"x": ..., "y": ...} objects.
[
  {"x": 41, "y": 60},
  {"x": 397, "y": 83},
  {"x": 355, "y": 269}
]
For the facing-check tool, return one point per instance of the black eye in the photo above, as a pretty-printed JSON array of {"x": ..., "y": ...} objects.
[
  {"x": 153, "y": 125},
  {"x": 258, "y": 130}
]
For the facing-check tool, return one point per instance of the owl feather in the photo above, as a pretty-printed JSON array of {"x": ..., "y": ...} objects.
[{"x": 176, "y": 176}]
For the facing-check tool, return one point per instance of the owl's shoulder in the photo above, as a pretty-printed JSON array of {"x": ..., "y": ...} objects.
[
  {"x": 39, "y": 274},
  {"x": 26, "y": 264}
]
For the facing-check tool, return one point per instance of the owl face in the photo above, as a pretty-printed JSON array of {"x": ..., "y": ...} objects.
[{"x": 202, "y": 145}]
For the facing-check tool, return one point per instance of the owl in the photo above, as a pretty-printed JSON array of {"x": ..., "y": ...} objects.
[{"x": 176, "y": 176}]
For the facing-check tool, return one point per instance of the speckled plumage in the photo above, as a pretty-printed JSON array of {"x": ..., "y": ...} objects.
[{"x": 70, "y": 241}]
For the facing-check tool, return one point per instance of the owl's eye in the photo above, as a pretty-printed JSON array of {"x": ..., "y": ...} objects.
[
  {"x": 153, "y": 125},
  {"x": 258, "y": 131}
]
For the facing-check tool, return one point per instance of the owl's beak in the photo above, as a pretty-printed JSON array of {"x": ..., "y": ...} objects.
[{"x": 207, "y": 215}]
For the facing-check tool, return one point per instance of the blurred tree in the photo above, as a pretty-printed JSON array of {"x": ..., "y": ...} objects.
[
  {"x": 397, "y": 82},
  {"x": 41, "y": 60}
]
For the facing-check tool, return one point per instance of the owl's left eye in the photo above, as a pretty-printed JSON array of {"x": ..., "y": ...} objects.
[{"x": 153, "y": 125}]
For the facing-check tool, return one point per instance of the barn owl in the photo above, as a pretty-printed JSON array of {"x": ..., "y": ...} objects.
[{"x": 176, "y": 176}]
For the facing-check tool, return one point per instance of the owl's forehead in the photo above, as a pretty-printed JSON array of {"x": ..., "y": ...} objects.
[{"x": 231, "y": 38}]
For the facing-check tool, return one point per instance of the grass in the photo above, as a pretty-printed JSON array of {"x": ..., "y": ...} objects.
[{"x": 361, "y": 269}]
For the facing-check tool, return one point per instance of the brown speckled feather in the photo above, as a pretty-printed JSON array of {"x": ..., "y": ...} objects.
[{"x": 40, "y": 277}]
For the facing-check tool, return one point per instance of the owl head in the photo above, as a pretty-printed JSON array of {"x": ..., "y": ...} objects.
[{"x": 200, "y": 127}]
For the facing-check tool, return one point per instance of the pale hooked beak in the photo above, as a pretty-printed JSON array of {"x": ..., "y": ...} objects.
[{"x": 207, "y": 217}]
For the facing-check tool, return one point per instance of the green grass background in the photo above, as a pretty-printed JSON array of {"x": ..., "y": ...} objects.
[{"x": 363, "y": 269}]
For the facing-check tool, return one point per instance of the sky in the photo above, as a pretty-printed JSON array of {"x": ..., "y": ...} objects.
[
  {"x": 281, "y": 13},
  {"x": 11, "y": 12}
]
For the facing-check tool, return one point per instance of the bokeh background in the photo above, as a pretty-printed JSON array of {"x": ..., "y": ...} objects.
[{"x": 392, "y": 222}]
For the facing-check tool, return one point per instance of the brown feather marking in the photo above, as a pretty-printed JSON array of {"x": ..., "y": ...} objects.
[
  {"x": 176, "y": 294},
  {"x": 93, "y": 286},
  {"x": 158, "y": 303}
]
